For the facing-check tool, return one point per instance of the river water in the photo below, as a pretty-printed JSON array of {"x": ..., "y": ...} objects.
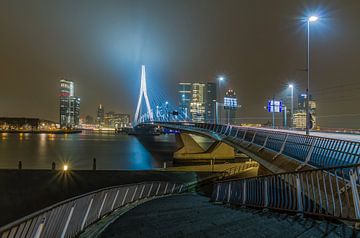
[{"x": 112, "y": 152}]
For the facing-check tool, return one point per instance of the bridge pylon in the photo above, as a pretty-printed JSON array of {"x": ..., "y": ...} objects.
[{"x": 143, "y": 93}]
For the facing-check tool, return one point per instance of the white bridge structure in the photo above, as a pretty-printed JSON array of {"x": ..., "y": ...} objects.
[{"x": 143, "y": 94}]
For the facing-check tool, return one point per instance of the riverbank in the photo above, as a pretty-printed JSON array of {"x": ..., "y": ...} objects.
[{"x": 60, "y": 131}]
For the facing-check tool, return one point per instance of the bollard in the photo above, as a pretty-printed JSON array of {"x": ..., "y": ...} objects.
[
  {"x": 53, "y": 166},
  {"x": 94, "y": 164},
  {"x": 20, "y": 165},
  {"x": 164, "y": 164}
]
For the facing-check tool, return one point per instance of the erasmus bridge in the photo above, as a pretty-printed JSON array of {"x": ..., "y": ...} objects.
[{"x": 305, "y": 185}]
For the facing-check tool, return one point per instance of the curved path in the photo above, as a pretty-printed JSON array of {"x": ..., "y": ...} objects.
[{"x": 192, "y": 215}]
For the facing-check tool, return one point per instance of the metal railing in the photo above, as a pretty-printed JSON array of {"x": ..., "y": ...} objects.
[
  {"x": 72, "y": 216},
  {"x": 332, "y": 192},
  {"x": 316, "y": 151}
]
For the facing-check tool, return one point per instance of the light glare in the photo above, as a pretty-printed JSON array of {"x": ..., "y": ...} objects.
[
  {"x": 313, "y": 18},
  {"x": 65, "y": 167}
]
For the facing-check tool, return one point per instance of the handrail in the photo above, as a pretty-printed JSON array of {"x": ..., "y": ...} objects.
[
  {"x": 315, "y": 151},
  {"x": 70, "y": 217},
  {"x": 332, "y": 192}
]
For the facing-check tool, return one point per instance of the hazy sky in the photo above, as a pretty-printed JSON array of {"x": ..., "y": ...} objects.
[{"x": 258, "y": 44}]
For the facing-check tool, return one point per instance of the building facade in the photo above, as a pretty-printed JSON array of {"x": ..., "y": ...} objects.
[
  {"x": 230, "y": 106},
  {"x": 116, "y": 120},
  {"x": 185, "y": 95},
  {"x": 299, "y": 118},
  {"x": 198, "y": 102},
  {"x": 69, "y": 105},
  {"x": 100, "y": 115},
  {"x": 211, "y": 102}
]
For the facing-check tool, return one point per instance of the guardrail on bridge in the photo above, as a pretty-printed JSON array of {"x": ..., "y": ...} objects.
[
  {"x": 332, "y": 192},
  {"x": 70, "y": 217},
  {"x": 316, "y": 151}
]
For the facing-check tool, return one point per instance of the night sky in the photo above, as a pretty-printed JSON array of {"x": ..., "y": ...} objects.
[{"x": 258, "y": 44}]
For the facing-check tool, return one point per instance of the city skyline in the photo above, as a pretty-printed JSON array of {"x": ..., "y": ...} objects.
[{"x": 258, "y": 56}]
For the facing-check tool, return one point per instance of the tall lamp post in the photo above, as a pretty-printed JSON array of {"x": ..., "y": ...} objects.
[
  {"x": 310, "y": 20},
  {"x": 220, "y": 79},
  {"x": 291, "y": 86}
]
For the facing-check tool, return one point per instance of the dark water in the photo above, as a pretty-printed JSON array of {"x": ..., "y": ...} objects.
[{"x": 112, "y": 152}]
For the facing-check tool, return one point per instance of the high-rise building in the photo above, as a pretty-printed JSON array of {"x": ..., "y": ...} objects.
[
  {"x": 230, "y": 106},
  {"x": 210, "y": 102},
  {"x": 69, "y": 105},
  {"x": 100, "y": 115},
  {"x": 299, "y": 119},
  {"x": 198, "y": 101},
  {"x": 185, "y": 94}
]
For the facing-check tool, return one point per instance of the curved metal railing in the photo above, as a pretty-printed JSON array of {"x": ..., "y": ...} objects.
[
  {"x": 332, "y": 192},
  {"x": 70, "y": 217},
  {"x": 319, "y": 152}
]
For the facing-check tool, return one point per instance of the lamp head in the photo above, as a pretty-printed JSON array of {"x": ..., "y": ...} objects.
[{"x": 313, "y": 18}]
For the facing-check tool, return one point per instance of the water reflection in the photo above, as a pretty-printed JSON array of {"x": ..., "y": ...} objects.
[{"x": 112, "y": 152}]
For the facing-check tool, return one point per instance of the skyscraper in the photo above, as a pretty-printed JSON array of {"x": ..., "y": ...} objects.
[
  {"x": 198, "y": 101},
  {"x": 230, "y": 106},
  {"x": 100, "y": 115},
  {"x": 185, "y": 93},
  {"x": 299, "y": 120},
  {"x": 69, "y": 105},
  {"x": 210, "y": 102}
]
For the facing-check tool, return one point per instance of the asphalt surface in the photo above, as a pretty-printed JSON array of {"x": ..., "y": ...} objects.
[{"x": 193, "y": 215}]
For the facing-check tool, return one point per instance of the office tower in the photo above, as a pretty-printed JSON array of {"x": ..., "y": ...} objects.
[
  {"x": 230, "y": 106},
  {"x": 69, "y": 105},
  {"x": 210, "y": 102}
]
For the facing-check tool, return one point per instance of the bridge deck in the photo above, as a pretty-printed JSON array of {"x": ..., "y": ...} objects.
[{"x": 192, "y": 215}]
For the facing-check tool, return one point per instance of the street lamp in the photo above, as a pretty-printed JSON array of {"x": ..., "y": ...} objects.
[
  {"x": 310, "y": 19},
  {"x": 291, "y": 86}
]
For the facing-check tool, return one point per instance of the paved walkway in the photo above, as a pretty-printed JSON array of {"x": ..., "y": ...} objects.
[{"x": 193, "y": 216}]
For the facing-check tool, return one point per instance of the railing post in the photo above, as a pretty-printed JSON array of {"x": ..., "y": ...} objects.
[
  {"x": 299, "y": 196},
  {"x": 266, "y": 195},
  {"x": 113, "y": 203},
  {"x": 123, "y": 201},
  {"x": 264, "y": 145},
  {"x": 86, "y": 214},
  {"x": 40, "y": 228},
  {"x": 229, "y": 192},
  {"x": 355, "y": 193},
  {"x": 244, "y": 193},
  {"x": 308, "y": 156},
  {"x": 67, "y": 222},
  {"x": 282, "y": 147},
  {"x": 102, "y": 205},
  {"x": 217, "y": 192},
  {"x": 252, "y": 140},
  {"x": 152, "y": 184}
]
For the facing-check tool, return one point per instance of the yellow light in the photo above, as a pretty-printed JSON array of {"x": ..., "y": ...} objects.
[{"x": 65, "y": 167}]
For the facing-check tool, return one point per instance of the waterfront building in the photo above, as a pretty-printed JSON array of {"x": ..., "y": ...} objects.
[
  {"x": 116, "y": 120},
  {"x": 185, "y": 94},
  {"x": 69, "y": 105},
  {"x": 100, "y": 115},
  {"x": 299, "y": 119},
  {"x": 210, "y": 102},
  {"x": 230, "y": 106},
  {"x": 198, "y": 101}
]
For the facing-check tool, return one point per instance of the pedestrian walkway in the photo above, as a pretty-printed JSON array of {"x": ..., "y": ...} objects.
[{"x": 192, "y": 215}]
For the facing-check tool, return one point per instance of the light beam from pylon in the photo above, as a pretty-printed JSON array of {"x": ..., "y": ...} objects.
[{"x": 143, "y": 92}]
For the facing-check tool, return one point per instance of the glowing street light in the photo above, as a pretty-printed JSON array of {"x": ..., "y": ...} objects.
[
  {"x": 313, "y": 18},
  {"x": 66, "y": 167},
  {"x": 310, "y": 19}
]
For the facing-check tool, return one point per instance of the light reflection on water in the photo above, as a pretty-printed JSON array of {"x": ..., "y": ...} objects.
[{"x": 112, "y": 152}]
